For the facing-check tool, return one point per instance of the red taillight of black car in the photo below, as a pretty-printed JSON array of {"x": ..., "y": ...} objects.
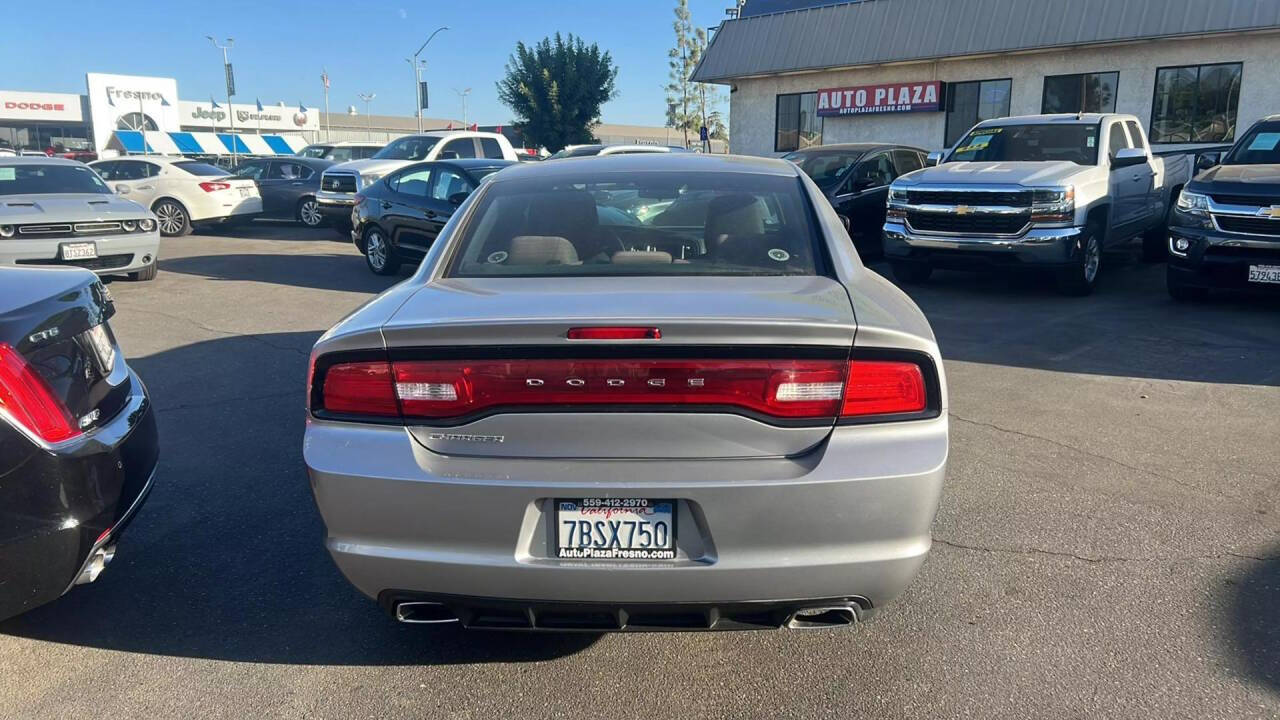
[
  {"x": 29, "y": 401},
  {"x": 789, "y": 390}
]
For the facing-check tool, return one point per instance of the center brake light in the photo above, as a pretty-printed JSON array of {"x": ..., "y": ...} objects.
[
  {"x": 214, "y": 186},
  {"x": 29, "y": 400},
  {"x": 784, "y": 389}
]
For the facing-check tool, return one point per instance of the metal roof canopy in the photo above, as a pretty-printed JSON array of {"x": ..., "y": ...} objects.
[{"x": 874, "y": 32}]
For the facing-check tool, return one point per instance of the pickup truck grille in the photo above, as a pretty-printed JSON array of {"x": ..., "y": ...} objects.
[
  {"x": 1009, "y": 198},
  {"x": 339, "y": 183},
  {"x": 1247, "y": 200},
  {"x": 1250, "y": 225},
  {"x": 978, "y": 224}
]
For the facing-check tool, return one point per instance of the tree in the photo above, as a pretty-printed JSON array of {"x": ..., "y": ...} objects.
[
  {"x": 690, "y": 105},
  {"x": 556, "y": 89}
]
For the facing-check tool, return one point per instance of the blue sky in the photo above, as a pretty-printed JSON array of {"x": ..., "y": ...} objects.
[{"x": 280, "y": 48}]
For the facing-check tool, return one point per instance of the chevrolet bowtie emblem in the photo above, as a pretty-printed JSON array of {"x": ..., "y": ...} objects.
[
  {"x": 1272, "y": 212},
  {"x": 963, "y": 209}
]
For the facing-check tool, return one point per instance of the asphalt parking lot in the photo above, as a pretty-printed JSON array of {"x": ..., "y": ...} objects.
[{"x": 1108, "y": 543}]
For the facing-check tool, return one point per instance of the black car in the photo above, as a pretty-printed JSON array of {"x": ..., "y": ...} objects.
[
  {"x": 287, "y": 185},
  {"x": 78, "y": 443},
  {"x": 1224, "y": 229},
  {"x": 398, "y": 217},
  {"x": 855, "y": 177}
]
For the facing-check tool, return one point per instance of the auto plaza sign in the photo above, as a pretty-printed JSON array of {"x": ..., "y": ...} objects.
[{"x": 887, "y": 98}]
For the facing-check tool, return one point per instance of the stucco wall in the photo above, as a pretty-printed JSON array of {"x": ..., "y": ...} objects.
[{"x": 752, "y": 104}]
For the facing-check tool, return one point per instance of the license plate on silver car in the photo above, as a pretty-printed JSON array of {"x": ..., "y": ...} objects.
[
  {"x": 1264, "y": 274},
  {"x": 244, "y": 192},
  {"x": 79, "y": 251},
  {"x": 615, "y": 529}
]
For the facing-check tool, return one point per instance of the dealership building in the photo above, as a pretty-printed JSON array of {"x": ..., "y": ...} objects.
[{"x": 922, "y": 72}]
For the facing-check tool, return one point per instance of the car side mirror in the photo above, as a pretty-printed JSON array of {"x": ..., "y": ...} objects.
[
  {"x": 1206, "y": 160},
  {"x": 458, "y": 198},
  {"x": 844, "y": 220},
  {"x": 1128, "y": 157},
  {"x": 933, "y": 158},
  {"x": 122, "y": 189}
]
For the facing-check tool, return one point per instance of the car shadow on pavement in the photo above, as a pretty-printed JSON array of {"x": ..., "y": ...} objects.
[
  {"x": 1256, "y": 621},
  {"x": 1129, "y": 326},
  {"x": 346, "y": 273},
  {"x": 226, "y": 560}
]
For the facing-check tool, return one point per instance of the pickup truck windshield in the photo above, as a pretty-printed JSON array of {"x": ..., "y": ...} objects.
[
  {"x": 408, "y": 148},
  {"x": 1260, "y": 147},
  {"x": 1030, "y": 143}
]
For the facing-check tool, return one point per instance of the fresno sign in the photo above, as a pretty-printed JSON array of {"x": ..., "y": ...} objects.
[{"x": 887, "y": 98}]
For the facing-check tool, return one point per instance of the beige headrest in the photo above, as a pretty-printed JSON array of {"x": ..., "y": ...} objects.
[
  {"x": 633, "y": 257},
  {"x": 541, "y": 250}
]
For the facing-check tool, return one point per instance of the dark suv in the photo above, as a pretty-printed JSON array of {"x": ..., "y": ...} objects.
[{"x": 1224, "y": 231}]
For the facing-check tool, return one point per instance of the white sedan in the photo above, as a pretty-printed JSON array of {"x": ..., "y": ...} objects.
[{"x": 181, "y": 191}]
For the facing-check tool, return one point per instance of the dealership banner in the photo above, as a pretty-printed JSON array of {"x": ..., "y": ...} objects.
[
  {"x": 247, "y": 117},
  {"x": 887, "y": 98},
  {"x": 62, "y": 107}
]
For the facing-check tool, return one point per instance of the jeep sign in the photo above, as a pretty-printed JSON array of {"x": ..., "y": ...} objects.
[{"x": 887, "y": 98}]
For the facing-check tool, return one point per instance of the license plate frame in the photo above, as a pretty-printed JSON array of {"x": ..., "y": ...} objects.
[
  {"x": 1264, "y": 274},
  {"x": 606, "y": 510},
  {"x": 244, "y": 192},
  {"x": 78, "y": 251}
]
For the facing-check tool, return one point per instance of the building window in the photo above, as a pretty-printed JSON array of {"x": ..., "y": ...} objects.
[
  {"x": 969, "y": 103},
  {"x": 798, "y": 125},
  {"x": 1086, "y": 92},
  {"x": 1196, "y": 104}
]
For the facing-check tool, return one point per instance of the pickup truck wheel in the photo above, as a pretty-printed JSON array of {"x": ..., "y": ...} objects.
[
  {"x": 1184, "y": 293},
  {"x": 910, "y": 273},
  {"x": 378, "y": 253},
  {"x": 1082, "y": 276}
]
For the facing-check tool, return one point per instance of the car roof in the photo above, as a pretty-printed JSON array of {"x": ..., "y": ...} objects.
[
  {"x": 1064, "y": 118},
  {"x": 161, "y": 159},
  {"x": 311, "y": 162},
  {"x": 854, "y": 147},
  {"x": 349, "y": 143},
  {"x": 478, "y": 162},
  {"x": 36, "y": 160},
  {"x": 653, "y": 162},
  {"x": 453, "y": 133}
]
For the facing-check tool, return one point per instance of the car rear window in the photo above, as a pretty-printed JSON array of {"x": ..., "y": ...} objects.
[
  {"x": 199, "y": 168},
  {"x": 640, "y": 224}
]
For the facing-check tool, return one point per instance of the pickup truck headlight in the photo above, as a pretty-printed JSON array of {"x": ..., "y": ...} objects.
[
  {"x": 897, "y": 204},
  {"x": 1193, "y": 203},
  {"x": 1053, "y": 205}
]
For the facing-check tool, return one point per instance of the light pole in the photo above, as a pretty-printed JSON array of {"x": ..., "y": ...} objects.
[
  {"x": 231, "y": 113},
  {"x": 463, "y": 94},
  {"x": 368, "y": 119},
  {"x": 417, "y": 77}
]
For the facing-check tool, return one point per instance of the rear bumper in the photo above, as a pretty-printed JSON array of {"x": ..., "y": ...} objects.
[
  {"x": 116, "y": 254},
  {"x": 849, "y": 519},
  {"x": 78, "y": 499},
  {"x": 218, "y": 209},
  {"x": 1218, "y": 260},
  {"x": 1038, "y": 247}
]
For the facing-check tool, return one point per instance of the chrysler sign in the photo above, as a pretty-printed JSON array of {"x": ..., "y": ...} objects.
[{"x": 888, "y": 98}]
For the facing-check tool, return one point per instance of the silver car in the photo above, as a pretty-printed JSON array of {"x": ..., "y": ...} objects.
[
  {"x": 570, "y": 418},
  {"x": 60, "y": 212}
]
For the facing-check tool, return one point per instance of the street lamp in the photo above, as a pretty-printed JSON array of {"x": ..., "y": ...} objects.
[
  {"x": 226, "y": 64},
  {"x": 417, "y": 77},
  {"x": 463, "y": 94},
  {"x": 368, "y": 119}
]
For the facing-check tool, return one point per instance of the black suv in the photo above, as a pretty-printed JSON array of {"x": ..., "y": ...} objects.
[{"x": 1224, "y": 231}]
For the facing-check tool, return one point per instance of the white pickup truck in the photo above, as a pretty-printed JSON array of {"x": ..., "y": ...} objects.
[{"x": 1040, "y": 191}]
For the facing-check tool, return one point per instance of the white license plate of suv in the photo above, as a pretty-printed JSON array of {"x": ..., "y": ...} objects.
[
  {"x": 79, "y": 251},
  {"x": 615, "y": 529},
  {"x": 1264, "y": 274}
]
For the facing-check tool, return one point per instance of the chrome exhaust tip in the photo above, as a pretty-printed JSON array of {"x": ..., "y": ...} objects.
[
  {"x": 424, "y": 613},
  {"x": 827, "y": 616},
  {"x": 96, "y": 564}
]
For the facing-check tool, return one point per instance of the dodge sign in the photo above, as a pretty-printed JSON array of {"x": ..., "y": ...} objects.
[{"x": 893, "y": 97}]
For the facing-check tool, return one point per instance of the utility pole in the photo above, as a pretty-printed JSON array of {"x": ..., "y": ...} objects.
[
  {"x": 226, "y": 68},
  {"x": 463, "y": 94},
  {"x": 368, "y": 119},
  {"x": 324, "y": 78},
  {"x": 417, "y": 77}
]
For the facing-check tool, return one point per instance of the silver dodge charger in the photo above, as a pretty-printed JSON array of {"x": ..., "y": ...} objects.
[{"x": 641, "y": 392}]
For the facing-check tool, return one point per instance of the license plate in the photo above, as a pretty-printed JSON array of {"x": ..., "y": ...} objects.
[
  {"x": 79, "y": 251},
  {"x": 244, "y": 192},
  {"x": 616, "y": 529},
  {"x": 1264, "y": 274}
]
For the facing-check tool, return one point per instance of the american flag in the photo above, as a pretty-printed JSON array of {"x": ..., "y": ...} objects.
[{"x": 324, "y": 78}]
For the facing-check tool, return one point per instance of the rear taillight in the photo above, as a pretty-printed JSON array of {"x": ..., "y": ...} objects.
[
  {"x": 785, "y": 389},
  {"x": 214, "y": 186},
  {"x": 614, "y": 333},
  {"x": 28, "y": 400}
]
